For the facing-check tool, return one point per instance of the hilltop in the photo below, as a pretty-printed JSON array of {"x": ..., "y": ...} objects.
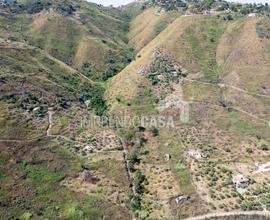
[{"x": 193, "y": 6}]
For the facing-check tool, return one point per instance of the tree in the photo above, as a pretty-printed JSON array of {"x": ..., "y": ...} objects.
[
  {"x": 249, "y": 150},
  {"x": 155, "y": 132},
  {"x": 138, "y": 180},
  {"x": 135, "y": 203},
  {"x": 264, "y": 147}
]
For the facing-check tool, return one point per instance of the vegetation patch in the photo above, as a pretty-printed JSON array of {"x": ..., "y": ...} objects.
[
  {"x": 242, "y": 125},
  {"x": 203, "y": 40},
  {"x": 263, "y": 28},
  {"x": 164, "y": 70}
]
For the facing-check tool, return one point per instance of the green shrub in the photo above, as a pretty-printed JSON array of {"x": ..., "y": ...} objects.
[
  {"x": 229, "y": 17},
  {"x": 135, "y": 204},
  {"x": 132, "y": 160},
  {"x": 155, "y": 132},
  {"x": 95, "y": 94},
  {"x": 138, "y": 180},
  {"x": 264, "y": 147},
  {"x": 249, "y": 150}
]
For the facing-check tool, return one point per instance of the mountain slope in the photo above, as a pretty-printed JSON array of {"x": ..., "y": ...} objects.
[
  {"x": 41, "y": 99},
  {"x": 63, "y": 28},
  {"x": 185, "y": 126},
  {"x": 221, "y": 74},
  {"x": 42, "y": 71},
  {"x": 146, "y": 26},
  {"x": 173, "y": 40},
  {"x": 51, "y": 53}
]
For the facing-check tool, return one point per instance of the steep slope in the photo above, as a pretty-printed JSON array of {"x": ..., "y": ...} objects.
[
  {"x": 242, "y": 52},
  {"x": 50, "y": 50},
  {"x": 146, "y": 26},
  {"x": 217, "y": 67},
  {"x": 42, "y": 140},
  {"x": 245, "y": 66},
  {"x": 173, "y": 40},
  {"x": 187, "y": 131},
  {"x": 45, "y": 73},
  {"x": 83, "y": 35}
]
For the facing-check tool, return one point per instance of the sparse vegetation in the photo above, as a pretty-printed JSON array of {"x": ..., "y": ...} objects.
[
  {"x": 264, "y": 147},
  {"x": 64, "y": 62},
  {"x": 205, "y": 54},
  {"x": 249, "y": 150},
  {"x": 207, "y": 5}
]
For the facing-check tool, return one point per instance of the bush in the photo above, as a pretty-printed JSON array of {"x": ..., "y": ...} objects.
[
  {"x": 95, "y": 94},
  {"x": 36, "y": 7},
  {"x": 67, "y": 9},
  {"x": 138, "y": 180},
  {"x": 229, "y": 17},
  {"x": 32, "y": 97},
  {"x": 132, "y": 160},
  {"x": 155, "y": 132},
  {"x": 133, "y": 157},
  {"x": 249, "y": 150},
  {"x": 130, "y": 167},
  {"x": 264, "y": 147},
  {"x": 135, "y": 203}
]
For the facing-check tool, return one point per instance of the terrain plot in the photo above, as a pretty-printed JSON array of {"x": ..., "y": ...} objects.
[{"x": 64, "y": 62}]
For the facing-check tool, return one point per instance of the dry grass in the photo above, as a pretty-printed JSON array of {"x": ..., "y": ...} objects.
[
  {"x": 148, "y": 25},
  {"x": 126, "y": 83},
  {"x": 244, "y": 57},
  {"x": 90, "y": 49}
]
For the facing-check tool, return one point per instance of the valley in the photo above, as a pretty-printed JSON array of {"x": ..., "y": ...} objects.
[{"x": 152, "y": 110}]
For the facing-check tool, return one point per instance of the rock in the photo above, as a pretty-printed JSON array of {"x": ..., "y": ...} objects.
[
  {"x": 36, "y": 109},
  {"x": 87, "y": 177},
  {"x": 87, "y": 103},
  {"x": 27, "y": 215},
  {"x": 240, "y": 182},
  {"x": 167, "y": 157},
  {"x": 195, "y": 154},
  {"x": 88, "y": 149},
  {"x": 181, "y": 199}
]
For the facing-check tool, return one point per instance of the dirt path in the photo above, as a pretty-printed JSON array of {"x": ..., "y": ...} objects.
[
  {"x": 50, "y": 113},
  {"x": 61, "y": 63},
  {"x": 24, "y": 46},
  {"x": 251, "y": 115},
  {"x": 235, "y": 109},
  {"x": 222, "y": 85},
  {"x": 231, "y": 214},
  {"x": 50, "y": 121},
  {"x": 18, "y": 141},
  {"x": 244, "y": 91}
]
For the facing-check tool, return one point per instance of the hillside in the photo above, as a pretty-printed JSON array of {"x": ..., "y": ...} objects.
[
  {"x": 46, "y": 90},
  {"x": 85, "y": 36},
  {"x": 221, "y": 73},
  {"x": 146, "y": 26},
  {"x": 42, "y": 101},
  {"x": 154, "y": 110}
]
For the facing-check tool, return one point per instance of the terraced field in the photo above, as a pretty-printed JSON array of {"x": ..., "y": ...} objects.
[{"x": 133, "y": 113}]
